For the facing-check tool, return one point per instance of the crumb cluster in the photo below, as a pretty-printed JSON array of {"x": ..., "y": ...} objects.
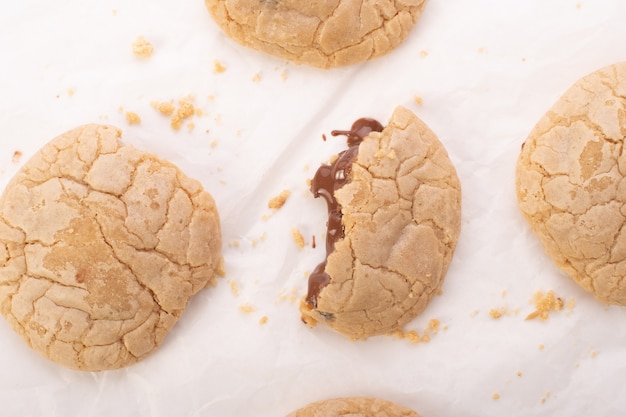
[
  {"x": 415, "y": 337},
  {"x": 544, "y": 304},
  {"x": 178, "y": 114}
]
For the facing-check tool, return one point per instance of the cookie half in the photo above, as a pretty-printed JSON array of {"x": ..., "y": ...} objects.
[
  {"x": 394, "y": 204},
  {"x": 571, "y": 183},
  {"x": 101, "y": 248},
  {"x": 354, "y": 407},
  {"x": 323, "y": 34}
]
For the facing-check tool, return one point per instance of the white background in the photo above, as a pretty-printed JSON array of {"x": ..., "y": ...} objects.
[{"x": 486, "y": 71}]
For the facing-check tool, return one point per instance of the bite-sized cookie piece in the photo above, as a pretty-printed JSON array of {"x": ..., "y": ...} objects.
[
  {"x": 394, "y": 203},
  {"x": 101, "y": 248},
  {"x": 571, "y": 182},
  {"x": 323, "y": 34},
  {"x": 354, "y": 407}
]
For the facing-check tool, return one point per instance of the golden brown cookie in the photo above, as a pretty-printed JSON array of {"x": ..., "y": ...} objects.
[
  {"x": 323, "y": 34},
  {"x": 394, "y": 204},
  {"x": 101, "y": 248},
  {"x": 571, "y": 183},
  {"x": 354, "y": 407}
]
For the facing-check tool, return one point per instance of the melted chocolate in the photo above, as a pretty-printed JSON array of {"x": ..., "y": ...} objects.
[{"x": 327, "y": 180}]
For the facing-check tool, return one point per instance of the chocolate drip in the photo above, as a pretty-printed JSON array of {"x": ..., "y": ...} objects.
[{"x": 326, "y": 181}]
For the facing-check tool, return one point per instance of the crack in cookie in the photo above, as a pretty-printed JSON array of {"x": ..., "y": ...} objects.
[{"x": 105, "y": 246}]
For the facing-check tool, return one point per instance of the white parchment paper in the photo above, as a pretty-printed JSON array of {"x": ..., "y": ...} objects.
[{"x": 480, "y": 73}]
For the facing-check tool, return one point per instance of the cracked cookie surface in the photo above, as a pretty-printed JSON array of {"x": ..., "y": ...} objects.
[
  {"x": 323, "y": 34},
  {"x": 401, "y": 217},
  {"x": 571, "y": 184},
  {"x": 101, "y": 248},
  {"x": 354, "y": 407}
]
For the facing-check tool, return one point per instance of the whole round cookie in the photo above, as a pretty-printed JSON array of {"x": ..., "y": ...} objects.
[
  {"x": 323, "y": 34},
  {"x": 394, "y": 203},
  {"x": 101, "y": 248},
  {"x": 354, "y": 407},
  {"x": 571, "y": 182}
]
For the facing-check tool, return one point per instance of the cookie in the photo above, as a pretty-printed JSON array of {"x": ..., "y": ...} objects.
[
  {"x": 571, "y": 184},
  {"x": 322, "y": 34},
  {"x": 394, "y": 203},
  {"x": 101, "y": 248},
  {"x": 354, "y": 407}
]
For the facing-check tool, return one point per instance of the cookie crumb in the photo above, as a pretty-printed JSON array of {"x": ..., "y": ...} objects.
[
  {"x": 132, "y": 118},
  {"x": 519, "y": 374},
  {"x": 280, "y": 200},
  {"x": 418, "y": 100},
  {"x": 247, "y": 308},
  {"x": 423, "y": 53},
  {"x": 70, "y": 92},
  {"x": 256, "y": 77},
  {"x": 313, "y": 244},
  {"x": 114, "y": 11},
  {"x": 544, "y": 304},
  {"x": 495, "y": 313},
  {"x": 495, "y": 396},
  {"x": 283, "y": 75},
  {"x": 297, "y": 238},
  {"x": 142, "y": 48},
  {"x": 263, "y": 320},
  {"x": 218, "y": 68},
  {"x": 220, "y": 271},
  {"x": 414, "y": 337},
  {"x": 234, "y": 288},
  {"x": 165, "y": 108},
  {"x": 481, "y": 50},
  {"x": 433, "y": 325},
  {"x": 17, "y": 156},
  {"x": 185, "y": 111},
  {"x": 541, "y": 347}
]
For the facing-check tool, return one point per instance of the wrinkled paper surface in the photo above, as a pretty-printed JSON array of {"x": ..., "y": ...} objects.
[{"x": 479, "y": 73}]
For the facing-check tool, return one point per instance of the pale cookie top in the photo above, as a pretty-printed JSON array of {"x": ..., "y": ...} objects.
[
  {"x": 354, "y": 407},
  {"x": 101, "y": 248},
  {"x": 323, "y": 34},
  {"x": 401, "y": 213},
  {"x": 571, "y": 182}
]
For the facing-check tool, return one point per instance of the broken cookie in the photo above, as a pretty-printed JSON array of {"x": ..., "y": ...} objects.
[
  {"x": 571, "y": 182},
  {"x": 354, "y": 407},
  {"x": 323, "y": 34},
  {"x": 394, "y": 203},
  {"x": 101, "y": 248}
]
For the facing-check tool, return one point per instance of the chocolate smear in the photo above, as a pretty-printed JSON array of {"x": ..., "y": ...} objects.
[{"x": 327, "y": 180}]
